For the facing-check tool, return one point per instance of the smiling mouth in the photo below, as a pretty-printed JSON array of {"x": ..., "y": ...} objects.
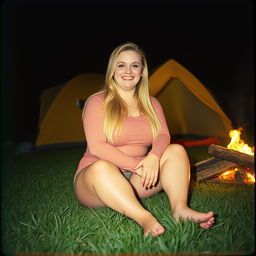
[{"x": 128, "y": 78}]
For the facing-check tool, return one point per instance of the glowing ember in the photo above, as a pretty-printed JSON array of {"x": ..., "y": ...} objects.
[
  {"x": 237, "y": 144},
  {"x": 228, "y": 174},
  {"x": 251, "y": 177},
  {"x": 239, "y": 175}
]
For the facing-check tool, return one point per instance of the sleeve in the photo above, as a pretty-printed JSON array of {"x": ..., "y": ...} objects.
[
  {"x": 93, "y": 121},
  {"x": 162, "y": 140}
]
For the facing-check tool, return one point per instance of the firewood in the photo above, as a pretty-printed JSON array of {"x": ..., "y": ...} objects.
[
  {"x": 240, "y": 175},
  {"x": 232, "y": 155},
  {"x": 211, "y": 167}
]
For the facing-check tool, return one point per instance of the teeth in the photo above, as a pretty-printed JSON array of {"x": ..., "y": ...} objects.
[{"x": 127, "y": 78}]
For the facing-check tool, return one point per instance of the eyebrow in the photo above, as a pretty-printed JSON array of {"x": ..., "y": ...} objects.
[{"x": 126, "y": 62}]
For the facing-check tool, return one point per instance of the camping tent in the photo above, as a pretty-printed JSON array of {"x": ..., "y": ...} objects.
[
  {"x": 188, "y": 105},
  {"x": 61, "y": 112}
]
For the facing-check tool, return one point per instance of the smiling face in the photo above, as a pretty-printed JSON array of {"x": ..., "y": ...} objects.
[{"x": 128, "y": 70}]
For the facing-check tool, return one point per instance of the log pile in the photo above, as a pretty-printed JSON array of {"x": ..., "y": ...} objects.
[
  {"x": 223, "y": 160},
  {"x": 232, "y": 155}
]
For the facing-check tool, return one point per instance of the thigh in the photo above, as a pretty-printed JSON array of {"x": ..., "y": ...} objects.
[
  {"x": 140, "y": 191},
  {"x": 84, "y": 191}
]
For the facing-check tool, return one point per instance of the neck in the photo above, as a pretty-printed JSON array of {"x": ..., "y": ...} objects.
[{"x": 127, "y": 96}]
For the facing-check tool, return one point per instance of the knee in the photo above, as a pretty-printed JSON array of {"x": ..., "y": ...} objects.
[
  {"x": 174, "y": 152},
  {"x": 175, "y": 149}
]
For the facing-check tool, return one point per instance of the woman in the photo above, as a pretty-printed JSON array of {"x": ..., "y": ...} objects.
[{"x": 129, "y": 155}]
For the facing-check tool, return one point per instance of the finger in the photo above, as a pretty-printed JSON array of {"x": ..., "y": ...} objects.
[
  {"x": 149, "y": 180},
  {"x": 155, "y": 179},
  {"x": 143, "y": 178},
  {"x": 152, "y": 180},
  {"x": 146, "y": 182},
  {"x": 150, "y": 184}
]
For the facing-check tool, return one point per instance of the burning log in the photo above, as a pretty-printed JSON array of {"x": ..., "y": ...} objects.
[
  {"x": 240, "y": 175},
  {"x": 237, "y": 175},
  {"x": 232, "y": 155},
  {"x": 234, "y": 163},
  {"x": 211, "y": 167}
]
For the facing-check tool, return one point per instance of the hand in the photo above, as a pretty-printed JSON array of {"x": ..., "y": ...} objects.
[
  {"x": 148, "y": 169},
  {"x": 139, "y": 171}
]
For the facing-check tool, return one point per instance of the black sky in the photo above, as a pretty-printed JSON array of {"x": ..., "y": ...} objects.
[{"x": 45, "y": 45}]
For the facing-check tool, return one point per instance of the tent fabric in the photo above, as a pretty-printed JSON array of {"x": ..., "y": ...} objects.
[
  {"x": 62, "y": 122},
  {"x": 188, "y": 105},
  {"x": 46, "y": 98}
]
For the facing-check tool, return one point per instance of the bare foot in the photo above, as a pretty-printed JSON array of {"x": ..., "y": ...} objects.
[
  {"x": 151, "y": 225},
  {"x": 205, "y": 220}
]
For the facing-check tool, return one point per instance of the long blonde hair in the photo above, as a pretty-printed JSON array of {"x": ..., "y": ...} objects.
[{"x": 115, "y": 107}]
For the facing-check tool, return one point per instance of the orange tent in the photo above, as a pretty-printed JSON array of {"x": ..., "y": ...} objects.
[{"x": 188, "y": 105}]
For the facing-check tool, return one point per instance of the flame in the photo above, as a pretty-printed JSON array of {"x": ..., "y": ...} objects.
[
  {"x": 251, "y": 177},
  {"x": 229, "y": 175},
  {"x": 237, "y": 144}
]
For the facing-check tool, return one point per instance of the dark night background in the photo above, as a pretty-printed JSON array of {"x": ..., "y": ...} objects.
[{"x": 46, "y": 44}]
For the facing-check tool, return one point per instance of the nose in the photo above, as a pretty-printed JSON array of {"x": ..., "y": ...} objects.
[{"x": 128, "y": 70}]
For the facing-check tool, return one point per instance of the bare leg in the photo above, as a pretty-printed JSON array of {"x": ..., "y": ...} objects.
[
  {"x": 142, "y": 192},
  {"x": 102, "y": 184},
  {"x": 174, "y": 178}
]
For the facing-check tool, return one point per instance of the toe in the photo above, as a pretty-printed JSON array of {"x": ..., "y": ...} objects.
[
  {"x": 211, "y": 221},
  {"x": 204, "y": 225},
  {"x": 156, "y": 231},
  {"x": 206, "y": 218}
]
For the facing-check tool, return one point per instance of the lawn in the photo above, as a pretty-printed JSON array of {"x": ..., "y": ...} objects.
[{"x": 40, "y": 213}]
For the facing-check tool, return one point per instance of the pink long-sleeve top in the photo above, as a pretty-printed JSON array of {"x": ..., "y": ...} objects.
[{"x": 133, "y": 143}]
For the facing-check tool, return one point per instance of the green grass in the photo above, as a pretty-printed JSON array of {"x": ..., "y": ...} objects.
[{"x": 40, "y": 213}]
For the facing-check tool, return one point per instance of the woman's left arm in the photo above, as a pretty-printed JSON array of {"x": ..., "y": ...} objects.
[
  {"x": 162, "y": 140},
  {"x": 148, "y": 168}
]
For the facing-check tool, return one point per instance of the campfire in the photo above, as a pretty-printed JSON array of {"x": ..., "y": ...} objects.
[
  {"x": 237, "y": 144},
  {"x": 234, "y": 163},
  {"x": 240, "y": 174}
]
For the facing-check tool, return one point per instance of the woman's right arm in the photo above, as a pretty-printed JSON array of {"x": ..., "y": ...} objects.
[{"x": 93, "y": 122}]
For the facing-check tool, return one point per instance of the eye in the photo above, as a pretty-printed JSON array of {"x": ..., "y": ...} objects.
[
  {"x": 120, "y": 65},
  {"x": 135, "y": 65}
]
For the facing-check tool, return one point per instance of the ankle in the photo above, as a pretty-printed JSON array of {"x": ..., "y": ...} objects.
[
  {"x": 178, "y": 206},
  {"x": 143, "y": 218}
]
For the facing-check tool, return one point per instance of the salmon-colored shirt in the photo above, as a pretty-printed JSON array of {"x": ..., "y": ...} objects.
[{"x": 133, "y": 143}]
